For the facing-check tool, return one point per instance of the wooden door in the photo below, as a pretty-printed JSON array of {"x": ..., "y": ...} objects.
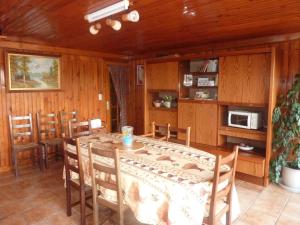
[
  {"x": 245, "y": 78},
  {"x": 162, "y": 76},
  {"x": 187, "y": 118},
  {"x": 206, "y": 123}
]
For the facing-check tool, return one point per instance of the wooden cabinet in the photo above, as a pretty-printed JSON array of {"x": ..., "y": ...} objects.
[
  {"x": 206, "y": 123},
  {"x": 187, "y": 118},
  {"x": 162, "y": 76},
  {"x": 202, "y": 118},
  {"x": 245, "y": 78}
]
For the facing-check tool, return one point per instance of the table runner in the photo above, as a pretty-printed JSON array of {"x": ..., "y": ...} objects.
[{"x": 163, "y": 183}]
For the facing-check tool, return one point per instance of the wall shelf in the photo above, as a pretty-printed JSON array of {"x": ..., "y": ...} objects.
[
  {"x": 257, "y": 135},
  {"x": 161, "y": 90},
  {"x": 242, "y": 104},
  {"x": 163, "y": 109}
]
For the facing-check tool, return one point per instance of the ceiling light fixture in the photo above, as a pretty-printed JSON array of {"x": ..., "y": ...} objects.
[
  {"x": 94, "y": 29},
  {"x": 115, "y": 24},
  {"x": 108, "y": 11},
  {"x": 133, "y": 16}
]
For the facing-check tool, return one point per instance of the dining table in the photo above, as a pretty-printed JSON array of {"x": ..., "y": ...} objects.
[{"x": 163, "y": 183}]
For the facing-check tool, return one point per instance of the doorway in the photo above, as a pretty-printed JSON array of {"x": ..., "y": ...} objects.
[{"x": 117, "y": 77}]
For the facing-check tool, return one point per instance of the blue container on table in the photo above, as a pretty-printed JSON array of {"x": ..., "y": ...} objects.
[{"x": 127, "y": 132}]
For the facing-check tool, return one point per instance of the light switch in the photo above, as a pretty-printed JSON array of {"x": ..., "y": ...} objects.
[{"x": 100, "y": 97}]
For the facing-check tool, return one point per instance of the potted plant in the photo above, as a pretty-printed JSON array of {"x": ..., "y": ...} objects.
[
  {"x": 167, "y": 101},
  {"x": 157, "y": 103},
  {"x": 285, "y": 161}
]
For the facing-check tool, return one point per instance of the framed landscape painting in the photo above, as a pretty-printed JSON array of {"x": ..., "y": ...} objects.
[{"x": 29, "y": 72}]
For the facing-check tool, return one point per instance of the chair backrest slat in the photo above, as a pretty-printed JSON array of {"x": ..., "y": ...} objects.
[
  {"x": 104, "y": 169},
  {"x": 103, "y": 152},
  {"x": 15, "y": 118},
  {"x": 20, "y": 127},
  {"x": 106, "y": 185},
  {"x": 22, "y": 134},
  {"x": 47, "y": 125}
]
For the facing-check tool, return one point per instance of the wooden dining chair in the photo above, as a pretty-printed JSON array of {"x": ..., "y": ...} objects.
[
  {"x": 73, "y": 165},
  {"x": 97, "y": 126},
  {"x": 64, "y": 118},
  {"x": 159, "y": 131},
  {"x": 48, "y": 134},
  {"x": 174, "y": 132},
  {"x": 79, "y": 129},
  {"x": 223, "y": 183},
  {"x": 22, "y": 139},
  {"x": 106, "y": 177}
]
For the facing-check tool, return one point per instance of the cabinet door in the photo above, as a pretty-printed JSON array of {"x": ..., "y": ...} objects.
[
  {"x": 206, "y": 123},
  {"x": 187, "y": 118},
  {"x": 245, "y": 78},
  {"x": 162, "y": 76}
]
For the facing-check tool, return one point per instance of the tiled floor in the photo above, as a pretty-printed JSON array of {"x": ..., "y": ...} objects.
[{"x": 38, "y": 198}]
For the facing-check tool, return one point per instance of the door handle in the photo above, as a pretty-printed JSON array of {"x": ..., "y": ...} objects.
[{"x": 107, "y": 105}]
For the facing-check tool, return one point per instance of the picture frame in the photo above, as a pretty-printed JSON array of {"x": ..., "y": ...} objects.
[
  {"x": 140, "y": 74},
  {"x": 32, "y": 72}
]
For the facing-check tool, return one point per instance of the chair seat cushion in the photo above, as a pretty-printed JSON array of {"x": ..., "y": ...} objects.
[
  {"x": 25, "y": 146},
  {"x": 54, "y": 141}
]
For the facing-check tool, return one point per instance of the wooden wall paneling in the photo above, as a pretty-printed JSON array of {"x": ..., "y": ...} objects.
[
  {"x": 139, "y": 109},
  {"x": 81, "y": 79},
  {"x": 206, "y": 123},
  {"x": 294, "y": 59}
]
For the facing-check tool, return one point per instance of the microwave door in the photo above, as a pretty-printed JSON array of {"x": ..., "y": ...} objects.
[{"x": 240, "y": 120}]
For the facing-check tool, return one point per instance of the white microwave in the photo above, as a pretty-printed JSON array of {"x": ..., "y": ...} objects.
[{"x": 244, "y": 119}]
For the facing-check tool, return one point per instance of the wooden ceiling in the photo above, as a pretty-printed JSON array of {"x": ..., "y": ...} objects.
[{"x": 163, "y": 25}]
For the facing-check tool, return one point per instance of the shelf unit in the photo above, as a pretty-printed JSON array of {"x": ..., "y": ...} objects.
[
  {"x": 190, "y": 91},
  {"x": 161, "y": 79}
]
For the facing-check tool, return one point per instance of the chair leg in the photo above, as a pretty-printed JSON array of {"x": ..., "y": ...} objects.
[
  {"x": 56, "y": 153},
  {"x": 82, "y": 206},
  {"x": 40, "y": 150},
  {"x": 33, "y": 156},
  {"x": 96, "y": 212},
  {"x": 15, "y": 159},
  {"x": 68, "y": 194},
  {"x": 46, "y": 155},
  {"x": 228, "y": 217},
  {"x": 121, "y": 216}
]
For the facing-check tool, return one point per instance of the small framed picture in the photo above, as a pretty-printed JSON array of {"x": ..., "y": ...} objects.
[{"x": 140, "y": 74}]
